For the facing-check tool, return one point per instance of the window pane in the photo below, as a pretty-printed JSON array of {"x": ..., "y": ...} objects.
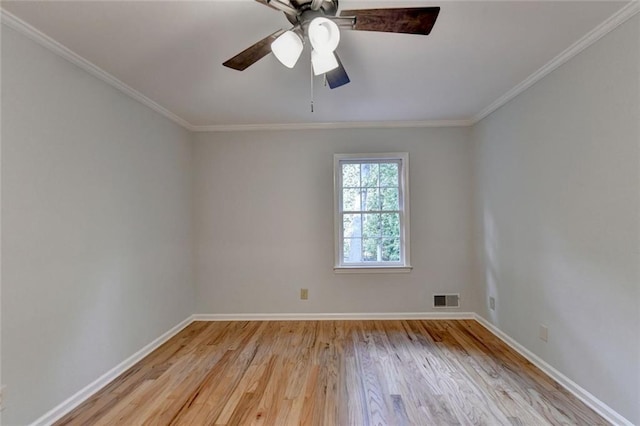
[
  {"x": 352, "y": 225},
  {"x": 370, "y": 249},
  {"x": 370, "y": 212},
  {"x": 390, "y": 249},
  {"x": 390, "y": 225},
  {"x": 389, "y": 199},
  {"x": 350, "y": 175},
  {"x": 369, "y": 173},
  {"x": 351, "y": 199},
  {"x": 389, "y": 174},
  {"x": 370, "y": 225},
  {"x": 370, "y": 199},
  {"x": 352, "y": 250}
]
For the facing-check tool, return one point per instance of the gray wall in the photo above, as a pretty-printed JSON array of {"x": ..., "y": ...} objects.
[
  {"x": 558, "y": 218},
  {"x": 103, "y": 204},
  {"x": 96, "y": 210},
  {"x": 264, "y": 221}
]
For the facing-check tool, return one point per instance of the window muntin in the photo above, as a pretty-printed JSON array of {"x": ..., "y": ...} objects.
[{"x": 371, "y": 210}]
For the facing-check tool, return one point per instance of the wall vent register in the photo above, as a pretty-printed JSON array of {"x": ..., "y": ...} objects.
[{"x": 446, "y": 300}]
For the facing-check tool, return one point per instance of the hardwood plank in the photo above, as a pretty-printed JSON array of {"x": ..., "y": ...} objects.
[
  {"x": 333, "y": 373},
  {"x": 376, "y": 403}
]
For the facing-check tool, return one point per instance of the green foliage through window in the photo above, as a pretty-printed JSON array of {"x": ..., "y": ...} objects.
[{"x": 371, "y": 212}]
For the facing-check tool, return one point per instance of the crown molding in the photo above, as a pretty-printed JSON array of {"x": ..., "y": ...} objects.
[
  {"x": 590, "y": 38},
  {"x": 332, "y": 125},
  {"x": 594, "y": 35},
  {"x": 52, "y": 45},
  {"x": 47, "y": 42}
]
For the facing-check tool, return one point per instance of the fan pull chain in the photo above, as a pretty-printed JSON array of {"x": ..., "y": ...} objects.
[{"x": 311, "y": 68}]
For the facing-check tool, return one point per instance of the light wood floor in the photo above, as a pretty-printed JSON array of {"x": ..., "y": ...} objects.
[{"x": 333, "y": 373}]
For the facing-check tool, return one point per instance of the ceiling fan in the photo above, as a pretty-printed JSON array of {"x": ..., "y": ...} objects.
[{"x": 318, "y": 21}]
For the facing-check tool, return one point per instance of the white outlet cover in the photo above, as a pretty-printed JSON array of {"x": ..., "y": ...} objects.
[{"x": 544, "y": 333}]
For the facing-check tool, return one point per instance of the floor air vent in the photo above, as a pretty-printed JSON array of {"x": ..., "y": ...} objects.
[{"x": 446, "y": 300}]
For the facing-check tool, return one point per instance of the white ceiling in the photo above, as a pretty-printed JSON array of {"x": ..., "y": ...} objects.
[{"x": 172, "y": 53}]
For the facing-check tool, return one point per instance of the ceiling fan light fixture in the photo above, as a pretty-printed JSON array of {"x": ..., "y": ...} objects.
[
  {"x": 323, "y": 62},
  {"x": 287, "y": 48},
  {"x": 324, "y": 35}
]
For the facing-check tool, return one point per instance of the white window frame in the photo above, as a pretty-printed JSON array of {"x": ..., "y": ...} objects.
[{"x": 404, "y": 265}]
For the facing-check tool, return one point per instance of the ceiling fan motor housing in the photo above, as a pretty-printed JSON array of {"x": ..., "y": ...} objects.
[{"x": 306, "y": 14}]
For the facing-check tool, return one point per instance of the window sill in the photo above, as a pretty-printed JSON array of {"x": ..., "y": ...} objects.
[{"x": 371, "y": 269}]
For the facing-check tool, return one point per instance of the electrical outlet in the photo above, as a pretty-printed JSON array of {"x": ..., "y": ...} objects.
[
  {"x": 543, "y": 333},
  {"x": 492, "y": 303},
  {"x": 304, "y": 294}
]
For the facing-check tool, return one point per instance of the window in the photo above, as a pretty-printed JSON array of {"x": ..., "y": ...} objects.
[{"x": 372, "y": 212}]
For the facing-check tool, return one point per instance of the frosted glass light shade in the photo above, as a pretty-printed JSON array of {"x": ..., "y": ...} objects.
[
  {"x": 324, "y": 35},
  {"x": 287, "y": 48},
  {"x": 323, "y": 62}
]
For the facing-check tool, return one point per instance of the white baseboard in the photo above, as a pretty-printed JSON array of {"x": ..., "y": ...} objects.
[
  {"x": 600, "y": 407},
  {"x": 72, "y": 402},
  {"x": 582, "y": 394},
  {"x": 337, "y": 316}
]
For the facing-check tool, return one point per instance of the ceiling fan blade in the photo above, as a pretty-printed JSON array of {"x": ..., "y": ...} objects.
[
  {"x": 343, "y": 22},
  {"x": 337, "y": 77},
  {"x": 412, "y": 20},
  {"x": 254, "y": 53}
]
